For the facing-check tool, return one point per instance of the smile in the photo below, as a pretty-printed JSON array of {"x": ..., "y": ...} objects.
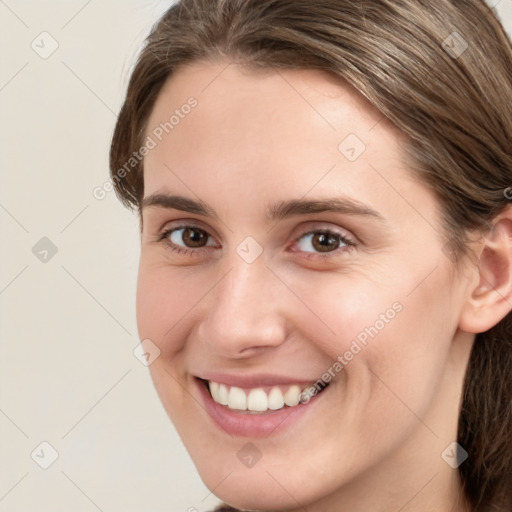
[
  {"x": 260, "y": 408},
  {"x": 256, "y": 399}
]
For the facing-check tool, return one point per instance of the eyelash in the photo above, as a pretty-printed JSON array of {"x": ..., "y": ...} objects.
[{"x": 310, "y": 255}]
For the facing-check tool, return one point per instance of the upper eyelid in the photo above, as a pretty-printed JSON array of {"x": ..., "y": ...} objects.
[
  {"x": 315, "y": 229},
  {"x": 176, "y": 224}
]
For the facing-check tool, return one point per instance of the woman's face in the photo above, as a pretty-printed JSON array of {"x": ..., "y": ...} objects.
[{"x": 302, "y": 251}]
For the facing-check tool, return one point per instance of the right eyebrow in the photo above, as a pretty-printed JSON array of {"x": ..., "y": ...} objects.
[{"x": 176, "y": 202}]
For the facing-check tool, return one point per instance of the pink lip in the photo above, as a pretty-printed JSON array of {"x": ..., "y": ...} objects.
[{"x": 253, "y": 425}]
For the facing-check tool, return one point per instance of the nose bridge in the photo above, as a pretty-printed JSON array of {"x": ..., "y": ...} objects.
[{"x": 244, "y": 313}]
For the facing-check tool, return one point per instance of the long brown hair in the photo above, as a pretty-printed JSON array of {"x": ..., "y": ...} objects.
[{"x": 441, "y": 71}]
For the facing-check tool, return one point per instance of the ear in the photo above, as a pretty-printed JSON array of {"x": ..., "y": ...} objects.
[{"x": 490, "y": 295}]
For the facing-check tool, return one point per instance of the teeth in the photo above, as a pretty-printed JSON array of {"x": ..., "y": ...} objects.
[
  {"x": 237, "y": 399},
  {"x": 220, "y": 392},
  {"x": 291, "y": 397},
  {"x": 256, "y": 399},
  {"x": 214, "y": 389},
  {"x": 223, "y": 395},
  {"x": 275, "y": 399}
]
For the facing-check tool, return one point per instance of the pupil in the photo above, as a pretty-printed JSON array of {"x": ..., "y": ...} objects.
[
  {"x": 324, "y": 240},
  {"x": 198, "y": 237}
]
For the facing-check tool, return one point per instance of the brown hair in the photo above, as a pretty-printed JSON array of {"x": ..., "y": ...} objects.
[{"x": 454, "y": 103}]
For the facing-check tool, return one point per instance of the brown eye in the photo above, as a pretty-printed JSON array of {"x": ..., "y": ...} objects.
[
  {"x": 186, "y": 239},
  {"x": 194, "y": 237},
  {"x": 323, "y": 241}
]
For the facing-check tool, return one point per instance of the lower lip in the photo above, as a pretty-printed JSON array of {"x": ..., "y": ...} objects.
[{"x": 261, "y": 424}]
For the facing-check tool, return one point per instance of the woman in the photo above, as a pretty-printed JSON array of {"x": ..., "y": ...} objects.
[{"x": 326, "y": 248}]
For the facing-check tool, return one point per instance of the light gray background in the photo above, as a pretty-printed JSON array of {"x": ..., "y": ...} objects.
[{"x": 68, "y": 375}]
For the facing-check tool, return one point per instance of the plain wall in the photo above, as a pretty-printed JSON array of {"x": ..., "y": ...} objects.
[{"x": 68, "y": 375}]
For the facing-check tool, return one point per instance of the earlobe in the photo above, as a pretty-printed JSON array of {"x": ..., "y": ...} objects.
[{"x": 490, "y": 297}]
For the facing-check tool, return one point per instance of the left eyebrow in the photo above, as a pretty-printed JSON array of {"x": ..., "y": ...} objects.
[
  {"x": 347, "y": 206},
  {"x": 274, "y": 212}
]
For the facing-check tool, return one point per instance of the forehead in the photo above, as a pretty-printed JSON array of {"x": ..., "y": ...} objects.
[
  {"x": 223, "y": 88},
  {"x": 272, "y": 133}
]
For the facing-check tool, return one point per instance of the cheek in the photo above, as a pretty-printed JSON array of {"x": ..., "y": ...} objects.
[
  {"x": 382, "y": 332},
  {"x": 345, "y": 309},
  {"x": 151, "y": 297},
  {"x": 161, "y": 303},
  {"x": 406, "y": 342}
]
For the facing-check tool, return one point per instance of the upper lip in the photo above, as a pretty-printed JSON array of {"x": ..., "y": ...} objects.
[{"x": 252, "y": 381}]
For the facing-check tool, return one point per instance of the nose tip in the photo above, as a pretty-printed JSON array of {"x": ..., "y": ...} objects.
[{"x": 245, "y": 314}]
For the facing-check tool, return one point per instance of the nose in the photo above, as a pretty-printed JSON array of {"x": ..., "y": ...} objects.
[{"x": 246, "y": 311}]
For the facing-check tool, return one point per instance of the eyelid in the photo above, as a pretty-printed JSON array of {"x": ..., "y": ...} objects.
[
  {"x": 325, "y": 226},
  {"x": 183, "y": 223}
]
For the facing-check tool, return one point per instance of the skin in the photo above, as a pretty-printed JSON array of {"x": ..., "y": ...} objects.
[{"x": 378, "y": 431}]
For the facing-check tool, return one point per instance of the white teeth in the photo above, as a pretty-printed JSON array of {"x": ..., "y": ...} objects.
[
  {"x": 223, "y": 395},
  {"x": 256, "y": 399},
  {"x": 237, "y": 399},
  {"x": 219, "y": 393},
  {"x": 291, "y": 397},
  {"x": 214, "y": 390},
  {"x": 275, "y": 399}
]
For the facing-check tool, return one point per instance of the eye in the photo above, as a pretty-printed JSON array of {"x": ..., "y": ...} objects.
[
  {"x": 194, "y": 237},
  {"x": 324, "y": 242}
]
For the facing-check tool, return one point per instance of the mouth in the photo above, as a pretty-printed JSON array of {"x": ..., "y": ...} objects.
[
  {"x": 261, "y": 399},
  {"x": 257, "y": 411}
]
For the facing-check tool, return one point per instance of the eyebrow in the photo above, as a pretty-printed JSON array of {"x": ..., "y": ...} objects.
[{"x": 274, "y": 212}]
